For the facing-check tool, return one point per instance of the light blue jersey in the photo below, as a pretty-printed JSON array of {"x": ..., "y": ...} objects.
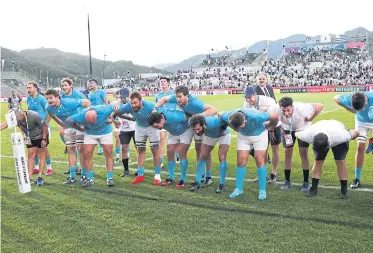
[
  {"x": 75, "y": 94},
  {"x": 194, "y": 106},
  {"x": 171, "y": 106},
  {"x": 142, "y": 115},
  {"x": 365, "y": 115},
  {"x": 254, "y": 120},
  {"x": 97, "y": 97},
  {"x": 214, "y": 126},
  {"x": 67, "y": 108},
  {"x": 176, "y": 122},
  {"x": 100, "y": 127},
  {"x": 38, "y": 105}
]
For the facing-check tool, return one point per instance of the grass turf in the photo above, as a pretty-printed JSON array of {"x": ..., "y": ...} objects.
[{"x": 146, "y": 218}]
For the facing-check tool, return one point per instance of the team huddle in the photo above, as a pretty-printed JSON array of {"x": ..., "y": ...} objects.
[{"x": 176, "y": 118}]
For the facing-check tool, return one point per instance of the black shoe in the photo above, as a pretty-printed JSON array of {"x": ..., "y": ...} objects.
[
  {"x": 125, "y": 173},
  {"x": 220, "y": 189},
  {"x": 78, "y": 172},
  {"x": 136, "y": 174},
  {"x": 207, "y": 182},
  {"x": 355, "y": 184},
  {"x": 312, "y": 192},
  {"x": 343, "y": 195},
  {"x": 65, "y": 152},
  {"x": 196, "y": 187},
  {"x": 67, "y": 172}
]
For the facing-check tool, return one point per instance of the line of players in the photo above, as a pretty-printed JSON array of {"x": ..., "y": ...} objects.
[{"x": 86, "y": 122}]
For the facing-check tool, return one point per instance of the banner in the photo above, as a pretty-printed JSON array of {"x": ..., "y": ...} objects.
[
  {"x": 20, "y": 163},
  {"x": 237, "y": 91},
  {"x": 292, "y": 50},
  {"x": 220, "y": 92},
  {"x": 293, "y": 90},
  {"x": 355, "y": 45},
  {"x": 197, "y": 93},
  {"x": 321, "y": 89},
  {"x": 352, "y": 89}
]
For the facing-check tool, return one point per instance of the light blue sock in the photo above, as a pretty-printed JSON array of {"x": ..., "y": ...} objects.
[
  {"x": 117, "y": 150},
  {"x": 200, "y": 169},
  {"x": 109, "y": 175},
  {"x": 62, "y": 138},
  {"x": 262, "y": 178},
  {"x": 177, "y": 156},
  {"x": 36, "y": 160},
  {"x": 157, "y": 170},
  {"x": 358, "y": 173},
  {"x": 171, "y": 169},
  {"x": 129, "y": 149},
  {"x": 208, "y": 173},
  {"x": 184, "y": 169},
  {"x": 84, "y": 172},
  {"x": 162, "y": 159},
  {"x": 72, "y": 172},
  {"x": 49, "y": 161},
  {"x": 77, "y": 157},
  {"x": 91, "y": 175},
  {"x": 140, "y": 171},
  {"x": 240, "y": 177},
  {"x": 223, "y": 171}
]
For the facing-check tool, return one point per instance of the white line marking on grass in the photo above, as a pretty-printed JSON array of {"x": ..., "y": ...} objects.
[
  {"x": 330, "y": 111},
  {"x": 193, "y": 175}
]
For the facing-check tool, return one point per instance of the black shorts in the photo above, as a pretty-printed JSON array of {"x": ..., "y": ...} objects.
[
  {"x": 125, "y": 137},
  {"x": 37, "y": 143},
  {"x": 278, "y": 136},
  {"x": 301, "y": 144},
  {"x": 340, "y": 152}
]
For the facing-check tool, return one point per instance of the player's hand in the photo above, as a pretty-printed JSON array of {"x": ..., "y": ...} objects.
[
  {"x": 272, "y": 136},
  {"x": 83, "y": 129},
  {"x": 307, "y": 119},
  {"x": 109, "y": 121},
  {"x": 117, "y": 123},
  {"x": 43, "y": 143}
]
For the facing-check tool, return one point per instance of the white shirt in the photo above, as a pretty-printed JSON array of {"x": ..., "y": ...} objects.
[
  {"x": 297, "y": 122},
  {"x": 125, "y": 125},
  {"x": 265, "y": 104},
  {"x": 334, "y": 129}
]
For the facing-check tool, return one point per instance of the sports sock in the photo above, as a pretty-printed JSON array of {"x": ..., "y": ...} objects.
[
  {"x": 117, "y": 152},
  {"x": 287, "y": 175},
  {"x": 84, "y": 172},
  {"x": 262, "y": 178},
  {"x": 208, "y": 173},
  {"x": 184, "y": 169},
  {"x": 109, "y": 174},
  {"x": 306, "y": 174},
  {"x": 157, "y": 170},
  {"x": 62, "y": 138},
  {"x": 162, "y": 159},
  {"x": 177, "y": 156},
  {"x": 358, "y": 173},
  {"x": 49, "y": 163},
  {"x": 73, "y": 172},
  {"x": 37, "y": 160},
  {"x": 91, "y": 175},
  {"x": 171, "y": 169},
  {"x": 343, "y": 186},
  {"x": 140, "y": 171},
  {"x": 240, "y": 176},
  {"x": 315, "y": 183},
  {"x": 125, "y": 163},
  {"x": 223, "y": 171},
  {"x": 200, "y": 169}
]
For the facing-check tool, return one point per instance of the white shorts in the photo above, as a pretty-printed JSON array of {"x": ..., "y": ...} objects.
[
  {"x": 197, "y": 138},
  {"x": 163, "y": 131},
  {"x": 144, "y": 133},
  {"x": 363, "y": 129},
  {"x": 223, "y": 140},
  {"x": 73, "y": 136},
  {"x": 185, "y": 138},
  {"x": 104, "y": 139},
  {"x": 252, "y": 142}
]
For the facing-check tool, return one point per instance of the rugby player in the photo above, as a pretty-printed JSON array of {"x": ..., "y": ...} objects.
[
  {"x": 324, "y": 135},
  {"x": 14, "y": 101}
]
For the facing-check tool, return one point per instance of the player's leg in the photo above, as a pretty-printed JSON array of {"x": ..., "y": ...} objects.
[
  {"x": 100, "y": 151},
  {"x": 70, "y": 139},
  {"x": 80, "y": 147},
  {"x": 288, "y": 150},
  {"x": 260, "y": 144},
  {"x": 340, "y": 152},
  {"x": 48, "y": 161},
  {"x": 204, "y": 152},
  {"x": 106, "y": 142},
  {"x": 41, "y": 154},
  {"x": 62, "y": 136},
  {"x": 31, "y": 153},
  {"x": 125, "y": 138},
  {"x": 360, "y": 152},
  {"x": 320, "y": 155},
  {"x": 275, "y": 145},
  {"x": 117, "y": 146},
  {"x": 224, "y": 143},
  {"x": 163, "y": 140},
  {"x": 140, "y": 139},
  {"x": 154, "y": 139},
  {"x": 185, "y": 140},
  {"x": 197, "y": 146},
  {"x": 303, "y": 152},
  {"x": 172, "y": 145},
  {"x": 90, "y": 142},
  {"x": 243, "y": 148}
]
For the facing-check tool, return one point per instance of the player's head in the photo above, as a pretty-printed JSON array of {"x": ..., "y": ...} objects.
[
  {"x": 165, "y": 83},
  {"x": 156, "y": 120},
  {"x": 136, "y": 101},
  {"x": 198, "y": 123},
  {"x": 261, "y": 79},
  {"x": 182, "y": 95},
  {"x": 20, "y": 115},
  {"x": 13, "y": 93},
  {"x": 32, "y": 88},
  {"x": 91, "y": 116},
  {"x": 250, "y": 95},
  {"x": 53, "y": 97},
  {"x": 358, "y": 101},
  {"x": 92, "y": 84},
  {"x": 67, "y": 85},
  {"x": 286, "y": 106},
  {"x": 320, "y": 141},
  {"x": 237, "y": 120},
  {"x": 124, "y": 94}
]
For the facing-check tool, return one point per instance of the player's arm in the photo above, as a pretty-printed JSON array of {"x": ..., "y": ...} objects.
[
  {"x": 317, "y": 108},
  {"x": 273, "y": 121},
  {"x": 86, "y": 103},
  {"x": 74, "y": 121},
  {"x": 354, "y": 134},
  {"x": 345, "y": 102},
  {"x": 105, "y": 97},
  {"x": 164, "y": 100},
  {"x": 55, "y": 118},
  {"x": 370, "y": 113},
  {"x": 4, "y": 125},
  {"x": 209, "y": 110}
]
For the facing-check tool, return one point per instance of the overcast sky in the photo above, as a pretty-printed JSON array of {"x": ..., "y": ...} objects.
[{"x": 163, "y": 31}]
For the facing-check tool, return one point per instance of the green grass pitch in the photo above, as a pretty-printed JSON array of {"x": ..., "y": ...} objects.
[{"x": 146, "y": 218}]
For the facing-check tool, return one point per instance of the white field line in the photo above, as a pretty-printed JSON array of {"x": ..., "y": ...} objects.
[
  {"x": 193, "y": 175},
  {"x": 330, "y": 111}
]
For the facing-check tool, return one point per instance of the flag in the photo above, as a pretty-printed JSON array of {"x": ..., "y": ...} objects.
[
  {"x": 226, "y": 47},
  {"x": 340, "y": 38},
  {"x": 325, "y": 38}
]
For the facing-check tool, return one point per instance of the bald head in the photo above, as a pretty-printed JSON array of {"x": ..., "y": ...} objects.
[{"x": 91, "y": 117}]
